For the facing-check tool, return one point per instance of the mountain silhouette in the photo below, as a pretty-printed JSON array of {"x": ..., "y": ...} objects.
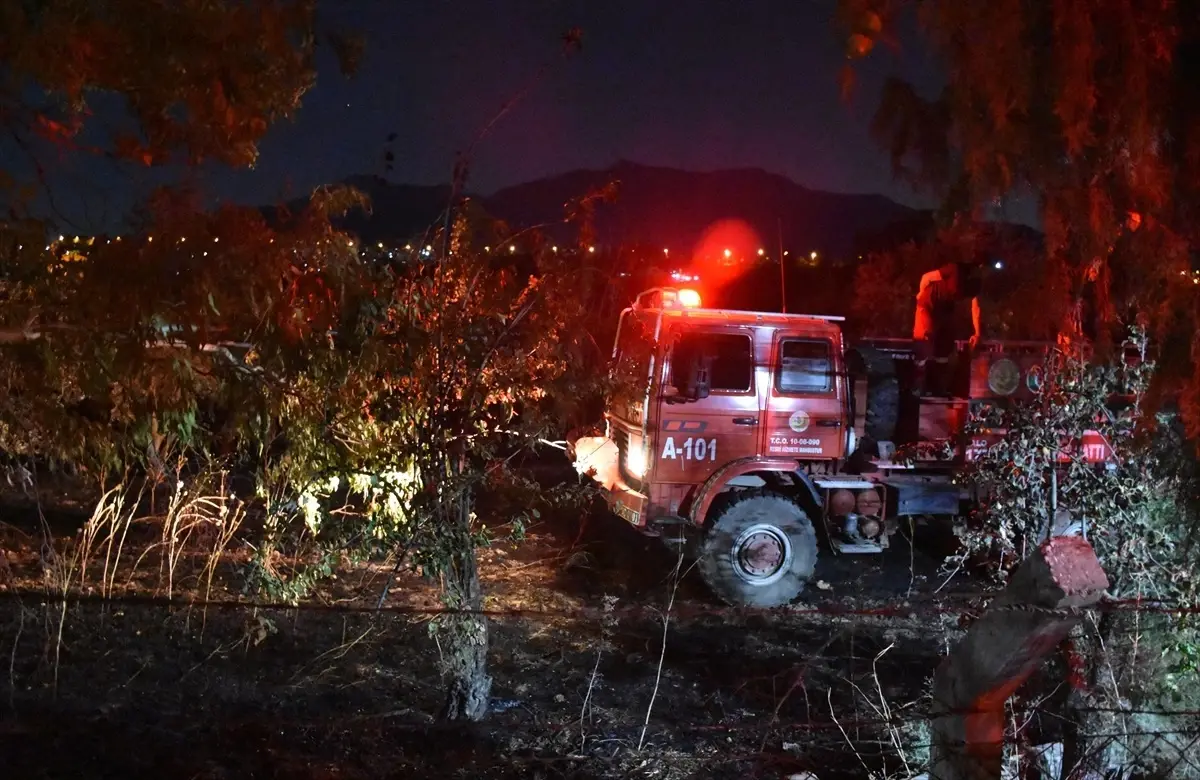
[
  {"x": 653, "y": 206},
  {"x": 673, "y": 208}
]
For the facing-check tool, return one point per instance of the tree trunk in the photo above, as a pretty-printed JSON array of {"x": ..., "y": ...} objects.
[
  {"x": 464, "y": 635},
  {"x": 1031, "y": 617},
  {"x": 1092, "y": 716}
]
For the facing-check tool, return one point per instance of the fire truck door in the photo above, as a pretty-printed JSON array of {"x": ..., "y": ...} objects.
[
  {"x": 696, "y": 437},
  {"x": 805, "y": 416}
]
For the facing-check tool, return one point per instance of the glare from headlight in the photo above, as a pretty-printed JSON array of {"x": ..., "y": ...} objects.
[{"x": 635, "y": 460}]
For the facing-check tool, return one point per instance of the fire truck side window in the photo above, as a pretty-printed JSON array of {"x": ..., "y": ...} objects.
[
  {"x": 804, "y": 367},
  {"x": 733, "y": 360}
]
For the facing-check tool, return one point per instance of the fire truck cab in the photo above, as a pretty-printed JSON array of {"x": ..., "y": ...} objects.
[{"x": 750, "y": 435}]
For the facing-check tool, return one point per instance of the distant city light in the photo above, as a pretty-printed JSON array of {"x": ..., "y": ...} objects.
[
  {"x": 761, "y": 252},
  {"x": 813, "y": 256},
  {"x": 591, "y": 249},
  {"x": 408, "y": 247},
  {"x": 998, "y": 265},
  {"x": 666, "y": 251},
  {"x": 428, "y": 248},
  {"x": 512, "y": 248},
  {"x": 553, "y": 249},
  {"x": 728, "y": 253}
]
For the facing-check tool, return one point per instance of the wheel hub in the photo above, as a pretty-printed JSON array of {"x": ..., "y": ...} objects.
[{"x": 761, "y": 554}]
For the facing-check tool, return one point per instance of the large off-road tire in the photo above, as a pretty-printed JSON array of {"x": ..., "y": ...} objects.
[
  {"x": 759, "y": 550},
  {"x": 883, "y": 392}
]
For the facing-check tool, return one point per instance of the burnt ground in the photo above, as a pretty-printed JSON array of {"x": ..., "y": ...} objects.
[{"x": 121, "y": 682}]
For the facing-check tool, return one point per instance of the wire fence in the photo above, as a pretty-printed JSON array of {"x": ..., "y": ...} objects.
[
  {"x": 831, "y": 690},
  {"x": 824, "y": 689}
]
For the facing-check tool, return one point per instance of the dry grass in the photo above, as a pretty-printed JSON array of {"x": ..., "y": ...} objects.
[{"x": 172, "y": 555}]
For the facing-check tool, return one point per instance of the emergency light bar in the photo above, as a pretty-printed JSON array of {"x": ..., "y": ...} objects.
[{"x": 669, "y": 298}]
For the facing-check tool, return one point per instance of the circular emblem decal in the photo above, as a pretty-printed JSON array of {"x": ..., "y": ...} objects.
[
  {"x": 1004, "y": 377},
  {"x": 1033, "y": 379},
  {"x": 799, "y": 420}
]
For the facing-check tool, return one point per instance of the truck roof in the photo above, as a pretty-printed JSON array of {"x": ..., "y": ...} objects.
[{"x": 666, "y": 303}]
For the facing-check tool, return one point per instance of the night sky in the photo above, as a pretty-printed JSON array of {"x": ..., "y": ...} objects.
[{"x": 701, "y": 85}]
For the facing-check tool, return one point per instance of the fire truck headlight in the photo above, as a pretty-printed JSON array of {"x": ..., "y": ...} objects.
[{"x": 635, "y": 461}]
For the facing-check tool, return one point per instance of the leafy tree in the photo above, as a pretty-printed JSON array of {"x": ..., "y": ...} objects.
[
  {"x": 451, "y": 368},
  {"x": 89, "y": 379},
  {"x": 1036, "y": 482},
  {"x": 1038, "y": 470},
  {"x": 152, "y": 83},
  {"x": 196, "y": 80},
  {"x": 1090, "y": 108},
  {"x": 376, "y": 403}
]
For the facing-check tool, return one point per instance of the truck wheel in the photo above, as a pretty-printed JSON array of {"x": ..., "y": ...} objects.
[
  {"x": 883, "y": 392},
  {"x": 759, "y": 551}
]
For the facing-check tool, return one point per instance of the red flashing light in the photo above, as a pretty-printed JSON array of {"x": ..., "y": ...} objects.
[{"x": 689, "y": 298}]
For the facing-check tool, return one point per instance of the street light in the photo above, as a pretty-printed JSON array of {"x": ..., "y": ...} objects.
[
  {"x": 728, "y": 254},
  {"x": 761, "y": 252},
  {"x": 813, "y": 256}
]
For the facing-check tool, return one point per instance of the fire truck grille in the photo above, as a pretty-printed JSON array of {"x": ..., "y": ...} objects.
[{"x": 621, "y": 437}]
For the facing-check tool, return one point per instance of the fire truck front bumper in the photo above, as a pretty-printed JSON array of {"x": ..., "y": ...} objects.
[{"x": 599, "y": 458}]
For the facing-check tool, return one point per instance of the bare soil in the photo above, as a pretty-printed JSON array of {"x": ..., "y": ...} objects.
[{"x": 121, "y": 682}]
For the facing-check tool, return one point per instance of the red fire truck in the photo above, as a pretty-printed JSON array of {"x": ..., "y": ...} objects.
[{"x": 752, "y": 435}]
